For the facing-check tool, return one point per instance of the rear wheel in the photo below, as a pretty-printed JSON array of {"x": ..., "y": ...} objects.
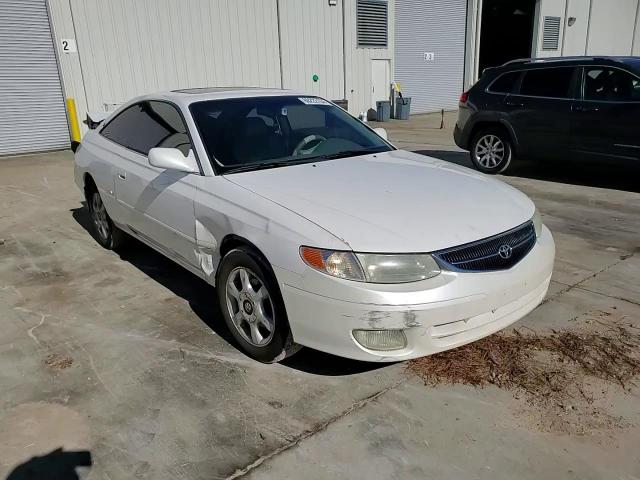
[
  {"x": 491, "y": 151},
  {"x": 107, "y": 234},
  {"x": 253, "y": 308}
]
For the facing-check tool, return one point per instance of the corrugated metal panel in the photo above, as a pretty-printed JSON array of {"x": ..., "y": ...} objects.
[
  {"x": 311, "y": 33},
  {"x": 128, "y": 48},
  {"x": 551, "y": 33},
  {"x": 611, "y": 27},
  {"x": 32, "y": 111},
  {"x": 372, "y": 21},
  {"x": 425, "y": 27}
]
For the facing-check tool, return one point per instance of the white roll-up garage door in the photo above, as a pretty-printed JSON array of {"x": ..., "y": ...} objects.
[
  {"x": 429, "y": 52},
  {"x": 32, "y": 110}
]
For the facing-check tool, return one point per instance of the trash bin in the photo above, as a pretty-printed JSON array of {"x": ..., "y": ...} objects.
[
  {"x": 403, "y": 107},
  {"x": 383, "y": 111}
]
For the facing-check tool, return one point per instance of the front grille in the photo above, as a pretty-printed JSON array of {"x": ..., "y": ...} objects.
[{"x": 484, "y": 255}]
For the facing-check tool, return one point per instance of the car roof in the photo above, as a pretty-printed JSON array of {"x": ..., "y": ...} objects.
[{"x": 187, "y": 96}]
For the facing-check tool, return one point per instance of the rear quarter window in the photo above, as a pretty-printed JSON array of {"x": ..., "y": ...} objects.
[{"x": 505, "y": 83}]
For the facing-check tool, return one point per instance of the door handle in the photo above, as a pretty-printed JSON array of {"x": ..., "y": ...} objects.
[
  {"x": 511, "y": 103},
  {"x": 580, "y": 108},
  {"x": 122, "y": 176}
]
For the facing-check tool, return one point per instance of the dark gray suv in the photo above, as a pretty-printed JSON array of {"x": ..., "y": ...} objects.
[{"x": 585, "y": 108}]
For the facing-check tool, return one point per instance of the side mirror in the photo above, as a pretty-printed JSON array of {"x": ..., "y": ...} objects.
[
  {"x": 173, "y": 159},
  {"x": 381, "y": 132}
]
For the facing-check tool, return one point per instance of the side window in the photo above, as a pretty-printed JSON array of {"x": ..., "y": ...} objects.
[
  {"x": 146, "y": 125},
  {"x": 505, "y": 83},
  {"x": 169, "y": 128},
  {"x": 547, "y": 82},
  {"x": 611, "y": 85}
]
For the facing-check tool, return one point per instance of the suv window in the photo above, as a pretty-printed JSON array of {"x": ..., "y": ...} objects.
[
  {"x": 505, "y": 83},
  {"x": 547, "y": 82},
  {"x": 146, "y": 125},
  {"x": 610, "y": 84}
]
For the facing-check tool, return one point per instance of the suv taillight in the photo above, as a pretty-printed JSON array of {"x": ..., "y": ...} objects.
[{"x": 464, "y": 96}]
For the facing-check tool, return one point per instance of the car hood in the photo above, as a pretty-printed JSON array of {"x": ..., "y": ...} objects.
[{"x": 394, "y": 201}]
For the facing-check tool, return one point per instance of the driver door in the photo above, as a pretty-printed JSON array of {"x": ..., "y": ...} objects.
[{"x": 159, "y": 203}]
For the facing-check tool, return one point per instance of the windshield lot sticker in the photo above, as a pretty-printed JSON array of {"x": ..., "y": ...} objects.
[{"x": 313, "y": 101}]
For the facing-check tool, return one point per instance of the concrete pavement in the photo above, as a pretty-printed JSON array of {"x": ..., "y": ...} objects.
[{"x": 126, "y": 357}]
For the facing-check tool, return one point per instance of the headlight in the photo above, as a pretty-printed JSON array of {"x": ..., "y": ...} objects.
[
  {"x": 405, "y": 268},
  {"x": 537, "y": 222},
  {"x": 371, "y": 267}
]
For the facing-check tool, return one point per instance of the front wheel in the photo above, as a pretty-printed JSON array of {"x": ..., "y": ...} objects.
[
  {"x": 253, "y": 308},
  {"x": 491, "y": 151}
]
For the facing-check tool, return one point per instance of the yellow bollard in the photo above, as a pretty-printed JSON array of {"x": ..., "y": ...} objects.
[{"x": 74, "y": 125}]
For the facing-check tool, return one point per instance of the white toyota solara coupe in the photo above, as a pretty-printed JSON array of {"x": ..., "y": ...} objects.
[{"x": 315, "y": 230}]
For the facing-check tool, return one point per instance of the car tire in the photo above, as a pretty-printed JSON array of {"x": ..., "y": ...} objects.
[
  {"x": 105, "y": 232},
  {"x": 252, "y": 306},
  {"x": 491, "y": 151}
]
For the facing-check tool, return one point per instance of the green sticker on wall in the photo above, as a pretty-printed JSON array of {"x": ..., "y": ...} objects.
[{"x": 315, "y": 77}]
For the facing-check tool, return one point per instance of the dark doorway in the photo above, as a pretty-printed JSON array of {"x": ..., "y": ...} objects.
[{"x": 506, "y": 32}]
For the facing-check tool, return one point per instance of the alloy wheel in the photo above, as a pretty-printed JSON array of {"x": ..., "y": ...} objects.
[
  {"x": 100, "y": 218},
  {"x": 250, "y": 306},
  {"x": 490, "y": 151}
]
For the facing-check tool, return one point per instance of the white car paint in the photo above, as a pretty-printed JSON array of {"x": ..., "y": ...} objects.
[{"x": 392, "y": 202}]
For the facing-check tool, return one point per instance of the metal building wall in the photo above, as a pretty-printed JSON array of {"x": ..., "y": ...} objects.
[
  {"x": 611, "y": 27},
  {"x": 311, "y": 35},
  {"x": 127, "y": 48},
  {"x": 435, "y": 27},
  {"x": 358, "y": 60},
  {"x": 602, "y": 27}
]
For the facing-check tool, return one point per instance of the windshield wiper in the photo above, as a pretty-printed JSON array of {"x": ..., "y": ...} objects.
[
  {"x": 262, "y": 166},
  {"x": 285, "y": 163},
  {"x": 350, "y": 153}
]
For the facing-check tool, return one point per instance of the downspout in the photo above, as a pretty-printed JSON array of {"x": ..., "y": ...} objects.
[
  {"x": 280, "y": 43},
  {"x": 344, "y": 51}
]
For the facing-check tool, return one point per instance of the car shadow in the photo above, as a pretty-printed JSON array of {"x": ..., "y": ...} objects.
[
  {"x": 55, "y": 465},
  {"x": 618, "y": 176},
  {"x": 199, "y": 293}
]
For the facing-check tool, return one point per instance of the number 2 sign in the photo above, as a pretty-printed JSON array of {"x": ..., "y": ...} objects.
[{"x": 68, "y": 45}]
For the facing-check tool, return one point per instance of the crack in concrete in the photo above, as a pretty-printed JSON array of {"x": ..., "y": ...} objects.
[
  {"x": 577, "y": 285},
  {"x": 309, "y": 433},
  {"x": 632, "y": 302}
]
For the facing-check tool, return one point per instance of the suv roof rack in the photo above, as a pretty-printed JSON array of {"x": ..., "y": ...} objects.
[
  {"x": 518, "y": 60},
  {"x": 587, "y": 58}
]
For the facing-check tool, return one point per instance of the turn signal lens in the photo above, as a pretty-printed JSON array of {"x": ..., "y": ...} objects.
[
  {"x": 464, "y": 97},
  {"x": 335, "y": 263}
]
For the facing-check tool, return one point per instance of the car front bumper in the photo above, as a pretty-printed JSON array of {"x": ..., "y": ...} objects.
[{"x": 437, "y": 314}]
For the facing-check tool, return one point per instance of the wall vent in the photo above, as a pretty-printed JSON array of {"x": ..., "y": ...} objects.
[
  {"x": 551, "y": 33},
  {"x": 371, "y": 23}
]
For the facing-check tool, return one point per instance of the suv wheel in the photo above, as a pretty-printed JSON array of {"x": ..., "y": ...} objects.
[{"x": 491, "y": 151}]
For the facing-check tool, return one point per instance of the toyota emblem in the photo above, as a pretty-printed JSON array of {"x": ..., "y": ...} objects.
[{"x": 505, "y": 251}]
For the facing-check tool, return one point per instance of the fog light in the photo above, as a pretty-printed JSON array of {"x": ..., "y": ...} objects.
[{"x": 381, "y": 339}]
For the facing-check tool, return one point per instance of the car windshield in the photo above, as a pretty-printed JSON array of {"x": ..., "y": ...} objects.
[{"x": 262, "y": 132}]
